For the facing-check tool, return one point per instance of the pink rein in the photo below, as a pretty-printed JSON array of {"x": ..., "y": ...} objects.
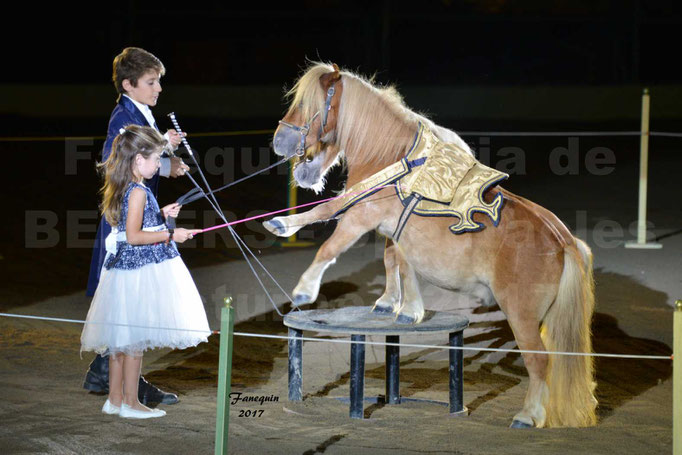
[{"x": 290, "y": 208}]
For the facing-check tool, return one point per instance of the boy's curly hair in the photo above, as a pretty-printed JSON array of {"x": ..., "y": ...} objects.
[{"x": 132, "y": 63}]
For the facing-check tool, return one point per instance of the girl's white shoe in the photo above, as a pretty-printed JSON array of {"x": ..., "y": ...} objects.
[
  {"x": 129, "y": 413},
  {"x": 109, "y": 408}
]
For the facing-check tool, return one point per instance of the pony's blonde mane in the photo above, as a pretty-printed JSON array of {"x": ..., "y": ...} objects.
[
  {"x": 307, "y": 93},
  {"x": 373, "y": 121}
]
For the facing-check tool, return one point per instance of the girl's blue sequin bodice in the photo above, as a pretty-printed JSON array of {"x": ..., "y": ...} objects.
[{"x": 129, "y": 257}]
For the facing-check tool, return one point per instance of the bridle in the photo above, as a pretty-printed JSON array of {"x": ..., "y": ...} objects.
[{"x": 305, "y": 129}]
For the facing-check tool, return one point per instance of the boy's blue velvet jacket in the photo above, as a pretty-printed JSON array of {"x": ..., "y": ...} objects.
[{"x": 126, "y": 113}]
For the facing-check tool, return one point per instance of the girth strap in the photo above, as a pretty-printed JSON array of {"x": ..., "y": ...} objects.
[{"x": 412, "y": 201}]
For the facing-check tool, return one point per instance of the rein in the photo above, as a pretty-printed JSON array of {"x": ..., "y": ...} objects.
[
  {"x": 196, "y": 193},
  {"x": 216, "y": 206}
]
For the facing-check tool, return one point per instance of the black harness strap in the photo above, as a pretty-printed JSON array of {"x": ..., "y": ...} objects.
[
  {"x": 197, "y": 193},
  {"x": 327, "y": 106},
  {"x": 305, "y": 129},
  {"x": 412, "y": 201}
]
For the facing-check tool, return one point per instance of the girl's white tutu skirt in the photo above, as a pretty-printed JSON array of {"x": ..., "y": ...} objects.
[{"x": 154, "y": 306}]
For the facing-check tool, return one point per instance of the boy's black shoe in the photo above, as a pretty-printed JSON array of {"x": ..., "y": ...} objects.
[
  {"x": 97, "y": 377},
  {"x": 97, "y": 381},
  {"x": 150, "y": 394}
]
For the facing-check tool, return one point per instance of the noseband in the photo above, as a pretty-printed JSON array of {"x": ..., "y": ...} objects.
[{"x": 305, "y": 129}]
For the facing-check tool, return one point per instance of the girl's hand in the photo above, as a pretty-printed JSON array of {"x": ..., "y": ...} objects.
[
  {"x": 171, "y": 210},
  {"x": 181, "y": 234}
]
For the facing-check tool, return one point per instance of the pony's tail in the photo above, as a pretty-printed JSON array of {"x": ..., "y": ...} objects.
[{"x": 566, "y": 328}]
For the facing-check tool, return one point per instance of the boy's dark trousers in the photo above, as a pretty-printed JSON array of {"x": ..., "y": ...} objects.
[{"x": 97, "y": 380}]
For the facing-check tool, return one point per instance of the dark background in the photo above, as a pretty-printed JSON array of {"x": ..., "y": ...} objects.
[
  {"x": 442, "y": 42},
  {"x": 56, "y": 82},
  {"x": 56, "y": 77}
]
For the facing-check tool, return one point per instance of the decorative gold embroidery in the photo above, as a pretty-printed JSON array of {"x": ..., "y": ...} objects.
[{"x": 451, "y": 182}]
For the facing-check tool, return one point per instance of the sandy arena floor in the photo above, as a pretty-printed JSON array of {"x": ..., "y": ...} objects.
[{"x": 44, "y": 410}]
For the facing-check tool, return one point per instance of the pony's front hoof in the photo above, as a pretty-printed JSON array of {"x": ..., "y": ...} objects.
[
  {"x": 380, "y": 309},
  {"x": 301, "y": 299},
  {"x": 518, "y": 424},
  {"x": 274, "y": 226},
  {"x": 404, "y": 319}
]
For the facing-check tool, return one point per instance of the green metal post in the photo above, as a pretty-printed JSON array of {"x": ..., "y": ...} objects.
[
  {"x": 224, "y": 377},
  {"x": 677, "y": 379}
]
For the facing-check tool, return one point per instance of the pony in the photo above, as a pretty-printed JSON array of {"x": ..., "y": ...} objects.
[{"x": 527, "y": 261}]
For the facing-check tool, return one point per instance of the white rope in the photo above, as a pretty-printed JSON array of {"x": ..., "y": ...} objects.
[
  {"x": 78, "y": 321},
  {"x": 371, "y": 343},
  {"x": 458, "y": 348},
  {"x": 664, "y": 134}
]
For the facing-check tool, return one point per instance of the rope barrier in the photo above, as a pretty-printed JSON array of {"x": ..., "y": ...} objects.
[
  {"x": 664, "y": 134},
  {"x": 371, "y": 343},
  {"x": 462, "y": 133},
  {"x": 49, "y": 138}
]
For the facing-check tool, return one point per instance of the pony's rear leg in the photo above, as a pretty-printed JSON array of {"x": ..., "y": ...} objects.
[
  {"x": 389, "y": 302},
  {"x": 351, "y": 227},
  {"x": 527, "y": 335}
]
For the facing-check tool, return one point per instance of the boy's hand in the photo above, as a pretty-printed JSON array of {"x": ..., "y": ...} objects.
[
  {"x": 181, "y": 234},
  {"x": 175, "y": 138},
  {"x": 177, "y": 167},
  {"x": 171, "y": 210}
]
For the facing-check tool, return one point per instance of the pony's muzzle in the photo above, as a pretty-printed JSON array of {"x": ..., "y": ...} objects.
[
  {"x": 285, "y": 142},
  {"x": 306, "y": 174}
]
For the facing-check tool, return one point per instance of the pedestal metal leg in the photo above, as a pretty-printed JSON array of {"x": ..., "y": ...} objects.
[
  {"x": 456, "y": 386},
  {"x": 392, "y": 370},
  {"x": 295, "y": 364},
  {"x": 357, "y": 377}
]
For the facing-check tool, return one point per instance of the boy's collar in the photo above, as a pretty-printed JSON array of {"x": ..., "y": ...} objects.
[
  {"x": 142, "y": 107},
  {"x": 139, "y": 111}
]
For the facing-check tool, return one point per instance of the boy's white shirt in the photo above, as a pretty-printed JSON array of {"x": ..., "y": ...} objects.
[{"x": 164, "y": 170}]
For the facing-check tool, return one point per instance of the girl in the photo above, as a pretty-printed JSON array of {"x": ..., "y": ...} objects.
[{"x": 146, "y": 295}]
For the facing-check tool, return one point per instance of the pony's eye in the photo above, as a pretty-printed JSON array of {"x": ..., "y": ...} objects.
[{"x": 308, "y": 160}]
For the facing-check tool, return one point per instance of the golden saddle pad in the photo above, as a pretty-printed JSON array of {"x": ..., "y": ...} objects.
[{"x": 449, "y": 181}]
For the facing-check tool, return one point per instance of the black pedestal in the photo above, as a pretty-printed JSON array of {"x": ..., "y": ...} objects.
[{"x": 359, "y": 322}]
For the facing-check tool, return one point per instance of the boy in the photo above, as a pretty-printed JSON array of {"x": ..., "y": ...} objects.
[{"x": 137, "y": 78}]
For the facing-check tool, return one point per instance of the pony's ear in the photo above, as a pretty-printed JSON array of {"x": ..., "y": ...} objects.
[{"x": 329, "y": 78}]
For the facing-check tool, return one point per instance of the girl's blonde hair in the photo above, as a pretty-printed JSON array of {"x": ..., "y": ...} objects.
[{"x": 118, "y": 168}]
